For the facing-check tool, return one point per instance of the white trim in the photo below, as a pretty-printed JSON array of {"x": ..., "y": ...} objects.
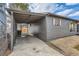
[
  {"x": 53, "y": 21},
  {"x": 60, "y": 22}
]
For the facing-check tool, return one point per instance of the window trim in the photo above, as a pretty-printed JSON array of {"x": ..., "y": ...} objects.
[
  {"x": 54, "y": 21},
  {"x": 72, "y": 27}
]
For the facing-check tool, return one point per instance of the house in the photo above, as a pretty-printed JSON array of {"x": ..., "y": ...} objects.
[
  {"x": 45, "y": 26},
  {"x": 3, "y": 40}
]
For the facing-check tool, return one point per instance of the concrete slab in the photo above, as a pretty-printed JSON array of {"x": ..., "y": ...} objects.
[{"x": 32, "y": 46}]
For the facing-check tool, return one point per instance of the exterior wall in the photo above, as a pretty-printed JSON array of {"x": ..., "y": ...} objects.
[
  {"x": 78, "y": 28},
  {"x": 14, "y": 31},
  {"x": 11, "y": 29},
  {"x": 58, "y": 31},
  {"x": 3, "y": 40},
  {"x": 38, "y": 29},
  {"x": 33, "y": 28},
  {"x": 20, "y": 27},
  {"x": 43, "y": 30}
]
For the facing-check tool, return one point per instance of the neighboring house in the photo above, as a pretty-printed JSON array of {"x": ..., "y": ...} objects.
[
  {"x": 3, "y": 40},
  {"x": 45, "y": 26}
]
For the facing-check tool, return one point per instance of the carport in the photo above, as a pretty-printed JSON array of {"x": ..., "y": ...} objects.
[{"x": 31, "y": 21}]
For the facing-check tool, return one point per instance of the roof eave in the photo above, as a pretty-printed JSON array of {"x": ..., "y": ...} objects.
[{"x": 49, "y": 14}]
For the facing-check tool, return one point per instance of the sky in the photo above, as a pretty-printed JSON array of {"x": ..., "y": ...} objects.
[{"x": 70, "y": 10}]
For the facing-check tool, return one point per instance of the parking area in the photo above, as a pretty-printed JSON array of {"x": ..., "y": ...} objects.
[
  {"x": 67, "y": 45},
  {"x": 32, "y": 46}
]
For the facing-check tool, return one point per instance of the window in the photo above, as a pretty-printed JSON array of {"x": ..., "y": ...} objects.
[
  {"x": 72, "y": 26},
  {"x": 56, "y": 21},
  {"x": 77, "y": 27}
]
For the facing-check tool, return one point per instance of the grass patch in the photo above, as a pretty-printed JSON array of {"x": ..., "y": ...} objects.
[{"x": 77, "y": 47}]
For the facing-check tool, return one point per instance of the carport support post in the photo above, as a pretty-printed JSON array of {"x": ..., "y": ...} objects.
[{"x": 12, "y": 31}]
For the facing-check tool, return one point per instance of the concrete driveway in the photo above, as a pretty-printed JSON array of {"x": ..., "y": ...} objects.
[{"x": 32, "y": 46}]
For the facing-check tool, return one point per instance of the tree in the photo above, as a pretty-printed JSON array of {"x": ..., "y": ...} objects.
[{"x": 22, "y": 6}]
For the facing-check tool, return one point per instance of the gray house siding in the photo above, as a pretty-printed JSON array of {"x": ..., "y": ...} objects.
[
  {"x": 77, "y": 28},
  {"x": 3, "y": 40},
  {"x": 11, "y": 28},
  {"x": 42, "y": 29},
  {"x": 38, "y": 29},
  {"x": 33, "y": 28},
  {"x": 13, "y": 31},
  {"x": 58, "y": 31}
]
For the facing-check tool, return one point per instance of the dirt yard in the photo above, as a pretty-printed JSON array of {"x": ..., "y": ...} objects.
[{"x": 66, "y": 45}]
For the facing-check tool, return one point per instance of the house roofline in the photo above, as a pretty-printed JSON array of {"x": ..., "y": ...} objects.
[
  {"x": 24, "y": 12},
  {"x": 59, "y": 16},
  {"x": 41, "y": 14}
]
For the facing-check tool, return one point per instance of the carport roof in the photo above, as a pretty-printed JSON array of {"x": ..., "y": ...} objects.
[{"x": 27, "y": 17}]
